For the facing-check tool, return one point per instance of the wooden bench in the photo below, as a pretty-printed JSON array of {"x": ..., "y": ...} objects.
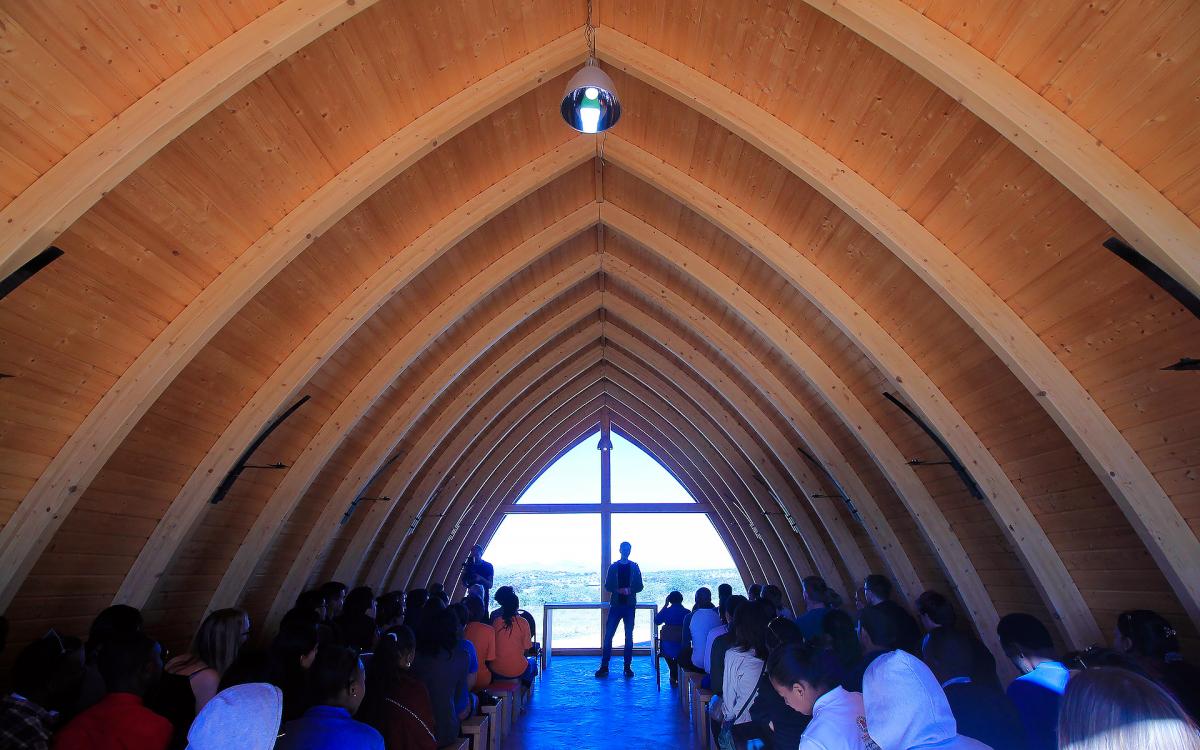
[
  {"x": 495, "y": 716},
  {"x": 688, "y": 684},
  {"x": 475, "y": 729},
  {"x": 459, "y": 744},
  {"x": 700, "y": 713}
]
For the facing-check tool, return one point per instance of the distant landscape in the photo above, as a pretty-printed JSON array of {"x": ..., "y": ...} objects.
[{"x": 582, "y": 629}]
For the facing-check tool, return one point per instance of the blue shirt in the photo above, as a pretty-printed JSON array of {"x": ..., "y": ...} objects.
[
  {"x": 812, "y": 622},
  {"x": 328, "y": 728},
  {"x": 1036, "y": 696},
  {"x": 463, "y": 697}
]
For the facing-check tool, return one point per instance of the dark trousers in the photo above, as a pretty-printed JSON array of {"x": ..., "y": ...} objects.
[{"x": 616, "y": 614}]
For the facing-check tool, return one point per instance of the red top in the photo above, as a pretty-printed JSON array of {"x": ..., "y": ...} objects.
[
  {"x": 408, "y": 722},
  {"x": 118, "y": 722}
]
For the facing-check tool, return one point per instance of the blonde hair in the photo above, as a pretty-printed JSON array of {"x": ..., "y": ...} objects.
[
  {"x": 1108, "y": 708},
  {"x": 219, "y": 638}
]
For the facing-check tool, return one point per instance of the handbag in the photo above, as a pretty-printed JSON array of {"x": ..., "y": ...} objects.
[{"x": 733, "y": 736}]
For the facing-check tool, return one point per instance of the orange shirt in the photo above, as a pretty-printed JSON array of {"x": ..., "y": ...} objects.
[
  {"x": 484, "y": 640},
  {"x": 511, "y": 644}
]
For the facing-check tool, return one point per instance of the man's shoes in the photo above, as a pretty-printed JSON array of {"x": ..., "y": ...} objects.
[
  {"x": 602, "y": 672},
  {"x": 628, "y": 672}
]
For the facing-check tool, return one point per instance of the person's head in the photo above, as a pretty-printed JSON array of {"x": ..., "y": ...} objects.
[
  {"x": 754, "y": 592},
  {"x": 130, "y": 663},
  {"x": 801, "y": 674},
  {"x": 818, "y": 595},
  {"x": 438, "y": 591},
  {"x": 462, "y": 613},
  {"x": 220, "y": 637},
  {"x": 625, "y": 548},
  {"x": 294, "y": 648},
  {"x": 245, "y": 717},
  {"x": 750, "y": 627},
  {"x": 877, "y": 630},
  {"x": 360, "y": 601},
  {"x": 703, "y": 598},
  {"x": 314, "y": 601},
  {"x": 49, "y": 672},
  {"x": 774, "y": 595},
  {"x": 732, "y": 604},
  {"x": 782, "y": 631},
  {"x": 905, "y": 707},
  {"x": 949, "y": 653},
  {"x": 477, "y": 551},
  {"x": 675, "y": 597},
  {"x": 475, "y": 609},
  {"x": 1145, "y": 633},
  {"x": 117, "y": 620},
  {"x": 1025, "y": 640},
  {"x": 877, "y": 588},
  {"x": 839, "y": 636},
  {"x": 724, "y": 591},
  {"x": 334, "y": 593},
  {"x": 509, "y": 603},
  {"x": 935, "y": 611},
  {"x": 389, "y": 609},
  {"x": 437, "y": 631},
  {"x": 1112, "y": 709},
  {"x": 336, "y": 678},
  {"x": 414, "y": 603}
]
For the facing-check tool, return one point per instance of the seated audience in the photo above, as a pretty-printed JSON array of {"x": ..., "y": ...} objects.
[
  {"x": 670, "y": 637},
  {"x": 774, "y": 595},
  {"x": 877, "y": 590},
  {"x": 465, "y": 701},
  {"x": 806, "y": 677},
  {"x": 130, "y": 664},
  {"x": 291, "y": 655},
  {"x": 115, "y": 621},
  {"x": 442, "y": 667},
  {"x": 482, "y": 637},
  {"x": 513, "y": 638},
  {"x": 414, "y": 605},
  {"x": 745, "y": 662},
  {"x": 397, "y": 703},
  {"x": 46, "y": 678},
  {"x": 190, "y": 680},
  {"x": 243, "y": 717},
  {"x": 819, "y": 600},
  {"x": 839, "y": 636},
  {"x": 936, "y": 612},
  {"x": 1113, "y": 709},
  {"x": 699, "y": 621},
  {"x": 1037, "y": 692},
  {"x": 780, "y": 725},
  {"x": 334, "y": 593},
  {"x": 389, "y": 610},
  {"x": 313, "y": 601},
  {"x": 336, "y": 687},
  {"x": 1149, "y": 638},
  {"x": 754, "y": 593},
  {"x": 981, "y": 709},
  {"x": 906, "y": 708},
  {"x": 702, "y": 653},
  {"x": 877, "y": 636},
  {"x": 724, "y": 591},
  {"x": 721, "y": 645},
  {"x": 355, "y": 625}
]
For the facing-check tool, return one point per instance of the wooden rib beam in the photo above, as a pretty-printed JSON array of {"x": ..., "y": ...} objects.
[
  {"x": 64, "y": 192},
  {"x": 1027, "y": 536},
  {"x": 184, "y": 512},
  {"x": 490, "y": 513},
  {"x": 1150, "y": 511},
  {"x": 1063, "y": 147},
  {"x": 290, "y": 493},
  {"x": 93, "y": 442}
]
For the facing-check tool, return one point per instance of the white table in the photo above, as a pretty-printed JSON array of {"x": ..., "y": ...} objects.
[{"x": 548, "y": 628}]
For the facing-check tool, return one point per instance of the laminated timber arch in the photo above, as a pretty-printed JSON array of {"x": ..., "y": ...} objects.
[{"x": 1104, "y": 448}]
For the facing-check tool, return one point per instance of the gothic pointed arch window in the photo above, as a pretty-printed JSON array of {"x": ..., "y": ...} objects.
[{"x": 565, "y": 525}]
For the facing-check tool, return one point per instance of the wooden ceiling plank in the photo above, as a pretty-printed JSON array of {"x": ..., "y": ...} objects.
[
  {"x": 29, "y": 531},
  {"x": 45, "y": 209}
]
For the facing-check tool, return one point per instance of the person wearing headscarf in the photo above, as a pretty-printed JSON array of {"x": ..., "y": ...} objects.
[{"x": 906, "y": 708}]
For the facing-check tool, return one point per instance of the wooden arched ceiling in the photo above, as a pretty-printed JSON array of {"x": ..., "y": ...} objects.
[{"x": 375, "y": 204}]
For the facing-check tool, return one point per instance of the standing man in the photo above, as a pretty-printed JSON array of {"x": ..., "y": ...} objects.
[
  {"x": 623, "y": 582},
  {"x": 478, "y": 572}
]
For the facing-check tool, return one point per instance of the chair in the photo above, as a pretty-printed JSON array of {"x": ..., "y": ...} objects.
[{"x": 475, "y": 728}]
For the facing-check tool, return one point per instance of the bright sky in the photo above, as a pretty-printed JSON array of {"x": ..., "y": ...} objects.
[{"x": 672, "y": 541}]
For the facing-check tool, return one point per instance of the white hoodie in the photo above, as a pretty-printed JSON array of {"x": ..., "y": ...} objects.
[
  {"x": 907, "y": 708},
  {"x": 243, "y": 717}
]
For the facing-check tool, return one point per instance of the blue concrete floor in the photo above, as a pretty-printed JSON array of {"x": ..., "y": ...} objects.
[{"x": 572, "y": 709}]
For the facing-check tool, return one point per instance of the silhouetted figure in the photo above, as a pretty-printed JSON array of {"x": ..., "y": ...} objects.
[
  {"x": 981, "y": 709},
  {"x": 877, "y": 590},
  {"x": 1037, "y": 692},
  {"x": 623, "y": 582}
]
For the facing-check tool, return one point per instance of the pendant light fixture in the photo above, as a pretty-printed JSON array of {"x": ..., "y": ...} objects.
[{"x": 590, "y": 103}]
